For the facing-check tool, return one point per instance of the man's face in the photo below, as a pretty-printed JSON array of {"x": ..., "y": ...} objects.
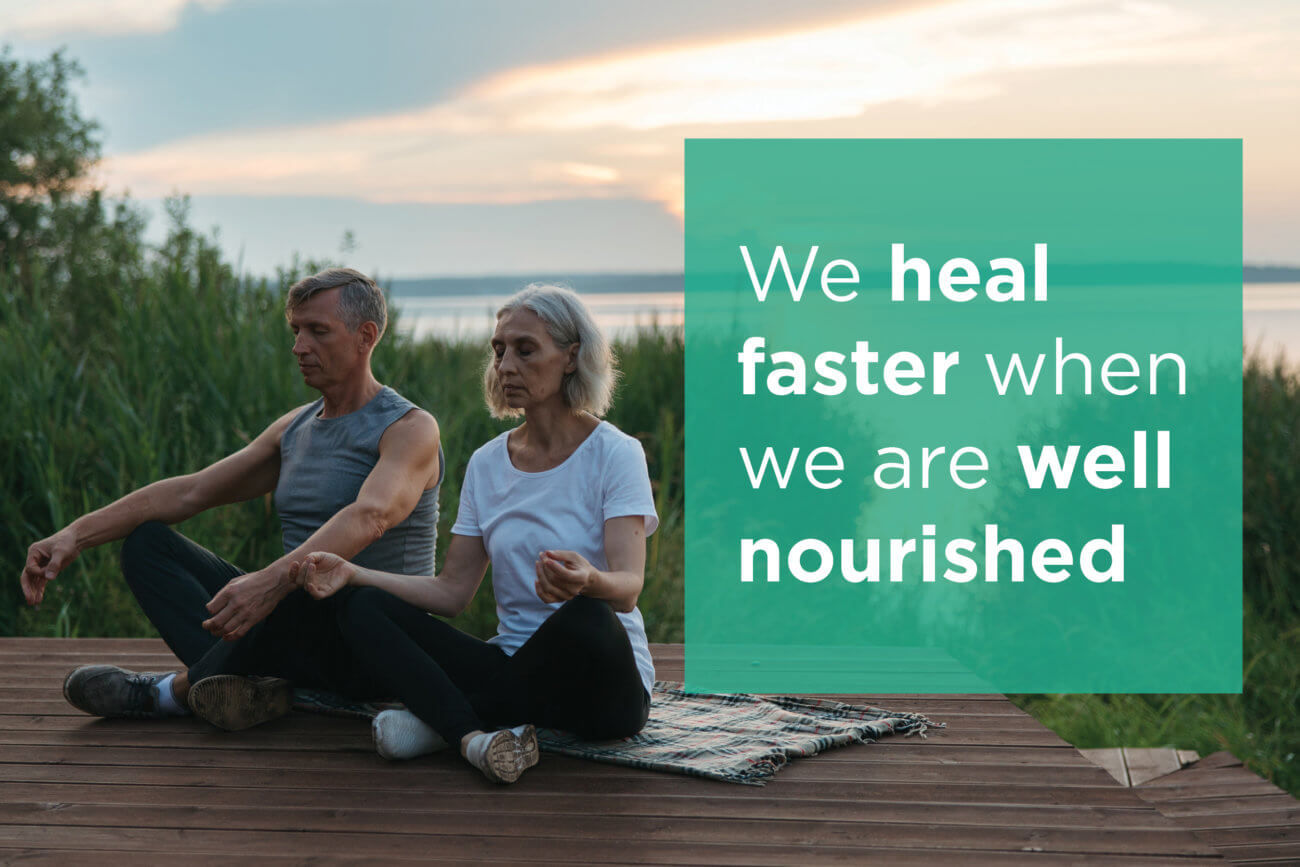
[{"x": 327, "y": 352}]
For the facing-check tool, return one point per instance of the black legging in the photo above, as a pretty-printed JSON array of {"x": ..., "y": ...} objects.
[
  {"x": 174, "y": 578},
  {"x": 577, "y": 672}
]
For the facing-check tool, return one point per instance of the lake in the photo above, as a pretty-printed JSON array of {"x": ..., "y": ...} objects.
[
  {"x": 463, "y": 308},
  {"x": 1271, "y": 319}
]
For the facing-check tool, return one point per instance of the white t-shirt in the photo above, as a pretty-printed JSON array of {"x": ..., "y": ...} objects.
[{"x": 565, "y": 508}]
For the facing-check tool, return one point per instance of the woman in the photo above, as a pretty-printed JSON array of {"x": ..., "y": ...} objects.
[{"x": 561, "y": 507}]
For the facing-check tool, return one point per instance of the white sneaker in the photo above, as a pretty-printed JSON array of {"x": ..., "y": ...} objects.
[{"x": 497, "y": 754}]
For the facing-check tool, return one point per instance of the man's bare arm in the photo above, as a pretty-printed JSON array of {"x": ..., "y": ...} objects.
[
  {"x": 250, "y": 472},
  {"x": 407, "y": 465}
]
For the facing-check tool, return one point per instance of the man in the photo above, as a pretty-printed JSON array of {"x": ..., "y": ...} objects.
[{"x": 356, "y": 473}]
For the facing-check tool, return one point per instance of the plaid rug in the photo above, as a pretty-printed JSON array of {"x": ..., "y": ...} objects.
[{"x": 737, "y": 738}]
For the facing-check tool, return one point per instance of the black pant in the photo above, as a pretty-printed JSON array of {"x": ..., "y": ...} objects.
[
  {"x": 173, "y": 579},
  {"x": 577, "y": 672}
]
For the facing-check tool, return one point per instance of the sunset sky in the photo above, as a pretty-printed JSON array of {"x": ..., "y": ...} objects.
[{"x": 513, "y": 137}]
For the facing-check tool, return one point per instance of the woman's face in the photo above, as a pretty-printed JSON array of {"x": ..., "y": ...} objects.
[{"x": 529, "y": 365}]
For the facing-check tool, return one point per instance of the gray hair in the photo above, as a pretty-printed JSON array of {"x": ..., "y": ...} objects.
[
  {"x": 590, "y": 387},
  {"x": 360, "y": 301}
]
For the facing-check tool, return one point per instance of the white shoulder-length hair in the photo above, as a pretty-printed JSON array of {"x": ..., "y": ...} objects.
[{"x": 590, "y": 387}]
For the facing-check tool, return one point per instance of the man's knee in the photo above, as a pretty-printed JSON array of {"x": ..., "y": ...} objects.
[{"x": 143, "y": 542}]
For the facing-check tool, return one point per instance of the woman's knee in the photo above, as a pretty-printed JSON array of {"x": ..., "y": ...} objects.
[{"x": 587, "y": 615}]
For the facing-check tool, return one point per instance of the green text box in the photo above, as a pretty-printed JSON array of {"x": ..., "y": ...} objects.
[{"x": 1137, "y": 281}]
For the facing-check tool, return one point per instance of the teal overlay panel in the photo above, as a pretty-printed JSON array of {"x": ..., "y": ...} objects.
[{"x": 1100, "y": 549}]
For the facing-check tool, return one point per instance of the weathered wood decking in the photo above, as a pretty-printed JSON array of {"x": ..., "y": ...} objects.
[
  {"x": 1246, "y": 818},
  {"x": 994, "y": 787}
]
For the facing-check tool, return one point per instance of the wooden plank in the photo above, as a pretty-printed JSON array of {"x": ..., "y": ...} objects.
[
  {"x": 1221, "y": 759},
  {"x": 1111, "y": 761},
  {"x": 715, "y": 806},
  {"x": 1200, "y": 809},
  {"x": 1145, "y": 765},
  {"x": 99, "y": 857},
  {"x": 1194, "y": 778},
  {"x": 1158, "y": 797},
  {"x": 918, "y": 858},
  {"x": 1273, "y": 833},
  {"x": 572, "y": 826},
  {"x": 381, "y": 847},
  {"x": 357, "y": 738},
  {"x": 1287, "y": 853},
  {"x": 648, "y": 784},
  {"x": 238, "y": 759}
]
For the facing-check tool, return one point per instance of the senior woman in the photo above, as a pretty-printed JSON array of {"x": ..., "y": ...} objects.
[{"x": 561, "y": 507}]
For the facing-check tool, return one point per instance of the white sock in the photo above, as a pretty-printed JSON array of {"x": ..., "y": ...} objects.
[
  {"x": 167, "y": 702},
  {"x": 476, "y": 750},
  {"x": 400, "y": 734}
]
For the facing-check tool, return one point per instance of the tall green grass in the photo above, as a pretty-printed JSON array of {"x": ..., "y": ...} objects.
[{"x": 184, "y": 363}]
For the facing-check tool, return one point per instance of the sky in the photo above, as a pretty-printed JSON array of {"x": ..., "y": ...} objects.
[{"x": 501, "y": 137}]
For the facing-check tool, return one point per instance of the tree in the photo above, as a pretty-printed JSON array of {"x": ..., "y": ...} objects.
[
  {"x": 46, "y": 150},
  {"x": 62, "y": 241}
]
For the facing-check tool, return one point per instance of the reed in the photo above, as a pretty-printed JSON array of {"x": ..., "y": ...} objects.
[{"x": 186, "y": 364}]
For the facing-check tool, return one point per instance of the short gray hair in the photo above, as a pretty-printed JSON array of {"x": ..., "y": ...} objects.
[
  {"x": 360, "y": 301},
  {"x": 590, "y": 387}
]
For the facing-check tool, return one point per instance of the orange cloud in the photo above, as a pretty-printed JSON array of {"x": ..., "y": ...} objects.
[{"x": 613, "y": 126}]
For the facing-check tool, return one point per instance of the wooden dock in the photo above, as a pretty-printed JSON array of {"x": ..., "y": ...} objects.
[{"x": 994, "y": 787}]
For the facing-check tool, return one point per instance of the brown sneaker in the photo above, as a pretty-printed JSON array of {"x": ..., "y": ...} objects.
[{"x": 234, "y": 703}]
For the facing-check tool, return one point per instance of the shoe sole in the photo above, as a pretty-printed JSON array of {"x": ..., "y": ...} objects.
[
  {"x": 235, "y": 703},
  {"x": 529, "y": 752},
  {"x": 504, "y": 761}
]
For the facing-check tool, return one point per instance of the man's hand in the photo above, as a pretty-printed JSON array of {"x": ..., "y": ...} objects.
[
  {"x": 243, "y": 603},
  {"x": 322, "y": 574},
  {"x": 562, "y": 575},
  {"x": 45, "y": 560}
]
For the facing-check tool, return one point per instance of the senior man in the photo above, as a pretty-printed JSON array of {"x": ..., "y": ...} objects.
[{"x": 355, "y": 473}]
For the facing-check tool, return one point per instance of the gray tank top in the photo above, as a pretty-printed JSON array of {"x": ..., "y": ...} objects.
[{"x": 323, "y": 462}]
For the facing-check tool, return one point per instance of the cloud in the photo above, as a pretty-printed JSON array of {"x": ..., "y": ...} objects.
[
  {"x": 51, "y": 19},
  {"x": 612, "y": 126}
]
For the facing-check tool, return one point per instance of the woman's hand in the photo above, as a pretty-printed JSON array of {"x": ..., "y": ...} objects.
[
  {"x": 322, "y": 574},
  {"x": 562, "y": 575}
]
